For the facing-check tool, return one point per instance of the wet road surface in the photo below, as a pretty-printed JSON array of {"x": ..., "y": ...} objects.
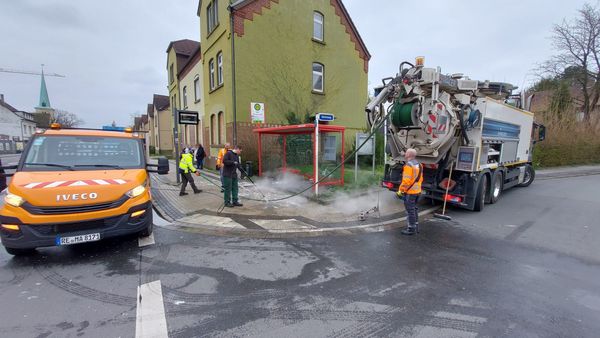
[{"x": 511, "y": 270}]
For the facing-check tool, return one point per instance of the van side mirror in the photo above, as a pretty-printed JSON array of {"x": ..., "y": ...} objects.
[
  {"x": 162, "y": 168},
  {"x": 542, "y": 132}
]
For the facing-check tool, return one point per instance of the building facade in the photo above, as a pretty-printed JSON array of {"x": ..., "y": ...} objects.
[
  {"x": 191, "y": 97},
  {"x": 161, "y": 125},
  {"x": 179, "y": 53},
  {"x": 293, "y": 57},
  {"x": 16, "y": 127}
]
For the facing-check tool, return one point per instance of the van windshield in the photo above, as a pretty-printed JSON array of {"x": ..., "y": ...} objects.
[{"x": 59, "y": 153}]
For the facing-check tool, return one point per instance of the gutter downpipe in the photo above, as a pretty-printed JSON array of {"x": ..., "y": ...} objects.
[{"x": 233, "y": 89}]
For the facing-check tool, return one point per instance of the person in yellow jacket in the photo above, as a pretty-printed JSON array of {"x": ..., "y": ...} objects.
[
  {"x": 220, "y": 155},
  {"x": 186, "y": 168},
  {"x": 410, "y": 189}
]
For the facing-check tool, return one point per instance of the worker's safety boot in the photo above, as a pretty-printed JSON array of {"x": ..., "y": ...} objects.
[{"x": 409, "y": 231}]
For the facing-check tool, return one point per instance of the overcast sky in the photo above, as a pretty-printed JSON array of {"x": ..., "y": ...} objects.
[{"x": 113, "y": 52}]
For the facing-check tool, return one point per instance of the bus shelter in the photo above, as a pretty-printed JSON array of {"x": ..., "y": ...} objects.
[{"x": 299, "y": 149}]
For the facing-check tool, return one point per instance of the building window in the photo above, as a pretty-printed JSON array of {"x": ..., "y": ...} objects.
[
  {"x": 221, "y": 128},
  {"x": 318, "y": 26},
  {"x": 171, "y": 77},
  {"x": 184, "y": 94},
  {"x": 212, "y": 15},
  {"x": 197, "y": 89},
  {"x": 318, "y": 72},
  {"x": 220, "y": 68},
  {"x": 211, "y": 75},
  {"x": 213, "y": 129}
]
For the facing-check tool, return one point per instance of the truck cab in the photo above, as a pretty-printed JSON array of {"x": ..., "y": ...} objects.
[{"x": 77, "y": 185}]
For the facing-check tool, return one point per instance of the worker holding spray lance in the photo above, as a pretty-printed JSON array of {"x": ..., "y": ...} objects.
[{"x": 410, "y": 189}]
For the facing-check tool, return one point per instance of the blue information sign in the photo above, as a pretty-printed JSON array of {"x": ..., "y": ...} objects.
[{"x": 325, "y": 117}]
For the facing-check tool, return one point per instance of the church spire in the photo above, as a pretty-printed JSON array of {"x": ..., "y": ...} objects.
[{"x": 44, "y": 99}]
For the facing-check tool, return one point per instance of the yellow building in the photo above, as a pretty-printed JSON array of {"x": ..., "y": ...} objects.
[{"x": 295, "y": 58}]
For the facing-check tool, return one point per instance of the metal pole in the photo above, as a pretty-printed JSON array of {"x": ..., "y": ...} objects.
[
  {"x": 317, "y": 155},
  {"x": 385, "y": 130},
  {"x": 356, "y": 158},
  {"x": 374, "y": 148},
  {"x": 231, "y": 31},
  {"x": 175, "y": 141}
]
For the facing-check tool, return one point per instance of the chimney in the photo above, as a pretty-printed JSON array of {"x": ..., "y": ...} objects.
[{"x": 1, "y": 97}]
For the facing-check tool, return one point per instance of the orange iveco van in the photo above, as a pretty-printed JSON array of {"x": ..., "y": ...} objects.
[{"x": 77, "y": 185}]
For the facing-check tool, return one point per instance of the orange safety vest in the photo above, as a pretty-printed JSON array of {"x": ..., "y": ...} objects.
[
  {"x": 222, "y": 152},
  {"x": 412, "y": 172}
]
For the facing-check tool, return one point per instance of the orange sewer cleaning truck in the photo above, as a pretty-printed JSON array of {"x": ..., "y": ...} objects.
[{"x": 77, "y": 185}]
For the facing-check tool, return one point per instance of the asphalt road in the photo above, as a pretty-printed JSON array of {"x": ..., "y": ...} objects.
[{"x": 527, "y": 266}]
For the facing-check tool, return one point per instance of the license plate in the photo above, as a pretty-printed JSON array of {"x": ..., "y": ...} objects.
[{"x": 77, "y": 239}]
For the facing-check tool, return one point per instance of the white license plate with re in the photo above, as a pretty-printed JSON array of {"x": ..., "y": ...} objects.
[{"x": 77, "y": 239}]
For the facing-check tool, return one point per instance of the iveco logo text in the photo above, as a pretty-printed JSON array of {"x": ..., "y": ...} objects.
[{"x": 76, "y": 197}]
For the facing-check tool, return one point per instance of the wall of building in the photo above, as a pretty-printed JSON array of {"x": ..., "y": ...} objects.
[
  {"x": 192, "y": 134},
  {"x": 281, "y": 75},
  {"x": 11, "y": 125},
  {"x": 165, "y": 129},
  {"x": 219, "y": 99}
]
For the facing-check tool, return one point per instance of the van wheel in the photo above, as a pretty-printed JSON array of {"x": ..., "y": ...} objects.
[
  {"x": 529, "y": 176},
  {"x": 497, "y": 185},
  {"x": 481, "y": 192},
  {"x": 19, "y": 252},
  {"x": 148, "y": 231}
]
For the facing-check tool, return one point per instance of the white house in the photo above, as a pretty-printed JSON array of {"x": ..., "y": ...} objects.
[{"x": 16, "y": 127}]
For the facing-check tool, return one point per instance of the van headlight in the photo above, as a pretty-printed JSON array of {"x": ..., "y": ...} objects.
[
  {"x": 135, "y": 192},
  {"x": 12, "y": 199}
]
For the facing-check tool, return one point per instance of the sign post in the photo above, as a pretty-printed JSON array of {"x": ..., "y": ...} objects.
[
  {"x": 367, "y": 149},
  {"x": 321, "y": 117},
  {"x": 257, "y": 112}
]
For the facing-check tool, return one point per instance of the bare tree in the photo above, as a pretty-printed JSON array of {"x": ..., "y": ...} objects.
[
  {"x": 577, "y": 42},
  {"x": 66, "y": 119}
]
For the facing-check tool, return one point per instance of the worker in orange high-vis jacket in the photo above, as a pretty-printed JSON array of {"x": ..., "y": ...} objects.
[
  {"x": 410, "y": 190},
  {"x": 220, "y": 155}
]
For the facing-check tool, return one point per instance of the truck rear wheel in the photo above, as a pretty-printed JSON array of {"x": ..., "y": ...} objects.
[
  {"x": 481, "y": 192},
  {"x": 497, "y": 185},
  {"x": 529, "y": 176},
  {"x": 19, "y": 252}
]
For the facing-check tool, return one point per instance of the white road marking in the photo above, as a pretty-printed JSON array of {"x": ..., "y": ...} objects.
[
  {"x": 282, "y": 224},
  {"x": 144, "y": 241},
  {"x": 460, "y": 316},
  {"x": 218, "y": 221},
  {"x": 150, "y": 314}
]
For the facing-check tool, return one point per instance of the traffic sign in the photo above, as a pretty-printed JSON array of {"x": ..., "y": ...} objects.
[
  {"x": 188, "y": 117},
  {"x": 322, "y": 117}
]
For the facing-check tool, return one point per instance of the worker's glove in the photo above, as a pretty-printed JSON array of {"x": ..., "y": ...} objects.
[{"x": 400, "y": 195}]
